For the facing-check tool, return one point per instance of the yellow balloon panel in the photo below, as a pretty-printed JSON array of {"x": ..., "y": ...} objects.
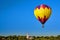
[{"x": 42, "y": 12}]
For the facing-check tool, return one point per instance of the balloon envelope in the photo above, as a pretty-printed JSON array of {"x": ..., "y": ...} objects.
[{"x": 42, "y": 13}]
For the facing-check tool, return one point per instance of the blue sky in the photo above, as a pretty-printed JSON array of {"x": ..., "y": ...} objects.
[{"x": 17, "y": 18}]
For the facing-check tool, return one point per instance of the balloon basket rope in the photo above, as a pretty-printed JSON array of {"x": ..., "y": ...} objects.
[{"x": 42, "y": 25}]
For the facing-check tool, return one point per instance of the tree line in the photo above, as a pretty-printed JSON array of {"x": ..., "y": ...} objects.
[{"x": 14, "y": 37}]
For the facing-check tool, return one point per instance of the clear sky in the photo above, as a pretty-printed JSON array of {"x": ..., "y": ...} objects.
[{"x": 17, "y": 17}]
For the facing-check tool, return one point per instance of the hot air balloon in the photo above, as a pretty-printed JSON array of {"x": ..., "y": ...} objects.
[{"x": 42, "y": 13}]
